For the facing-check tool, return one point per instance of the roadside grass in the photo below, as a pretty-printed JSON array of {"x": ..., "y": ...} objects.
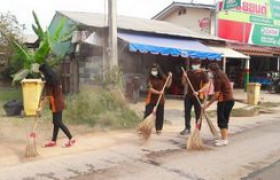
[
  {"x": 249, "y": 111},
  {"x": 99, "y": 107},
  {"x": 93, "y": 107},
  {"x": 7, "y": 94},
  {"x": 10, "y": 93}
]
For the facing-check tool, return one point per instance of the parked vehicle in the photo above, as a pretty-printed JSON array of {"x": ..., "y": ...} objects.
[{"x": 274, "y": 86}]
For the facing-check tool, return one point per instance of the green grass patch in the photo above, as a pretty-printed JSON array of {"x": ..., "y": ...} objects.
[
  {"x": 7, "y": 94},
  {"x": 249, "y": 111},
  {"x": 243, "y": 112},
  {"x": 100, "y": 107},
  {"x": 268, "y": 104},
  {"x": 10, "y": 93},
  {"x": 240, "y": 112}
]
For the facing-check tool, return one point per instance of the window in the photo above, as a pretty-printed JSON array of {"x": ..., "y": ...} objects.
[{"x": 182, "y": 11}]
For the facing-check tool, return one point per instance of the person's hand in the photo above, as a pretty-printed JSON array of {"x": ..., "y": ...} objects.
[
  {"x": 161, "y": 92},
  {"x": 196, "y": 93},
  {"x": 204, "y": 107},
  {"x": 170, "y": 74},
  {"x": 185, "y": 74},
  {"x": 154, "y": 110},
  {"x": 39, "y": 110}
]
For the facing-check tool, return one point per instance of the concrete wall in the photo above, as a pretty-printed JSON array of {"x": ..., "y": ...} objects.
[
  {"x": 90, "y": 66},
  {"x": 191, "y": 19}
]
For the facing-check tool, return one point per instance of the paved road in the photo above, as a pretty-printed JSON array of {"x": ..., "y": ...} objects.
[
  {"x": 271, "y": 172},
  {"x": 247, "y": 152},
  {"x": 253, "y": 146}
]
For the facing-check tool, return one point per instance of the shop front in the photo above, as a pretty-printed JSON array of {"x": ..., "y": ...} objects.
[
  {"x": 253, "y": 29},
  {"x": 171, "y": 53}
]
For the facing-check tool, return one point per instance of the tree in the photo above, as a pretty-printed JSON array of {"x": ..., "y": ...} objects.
[
  {"x": 32, "y": 59},
  {"x": 9, "y": 31}
]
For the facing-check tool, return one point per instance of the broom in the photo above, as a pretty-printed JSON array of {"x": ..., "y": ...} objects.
[
  {"x": 208, "y": 120},
  {"x": 145, "y": 128},
  {"x": 194, "y": 141},
  {"x": 31, "y": 150}
]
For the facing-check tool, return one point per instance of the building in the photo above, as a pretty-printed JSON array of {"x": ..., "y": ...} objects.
[
  {"x": 141, "y": 42},
  {"x": 252, "y": 30},
  {"x": 197, "y": 15},
  {"x": 31, "y": 41}
]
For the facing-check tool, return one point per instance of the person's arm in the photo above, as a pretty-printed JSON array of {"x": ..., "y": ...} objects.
[
  {"x": 42, "y": 103},
  {"x": 169, "y": 80},
  {"x": 45, "y": 97},
  {"x": 152, "y": 90},
  {"x": 184, "y": 80},
  {"x": 204, "y": 88},
  {"x": 206, "y": 84},
  {"x": 213, "y": 99},
  {"x": 217, "y": 87}
]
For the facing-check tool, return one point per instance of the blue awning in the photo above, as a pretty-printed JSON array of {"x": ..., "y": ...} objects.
[{"x": 168, "y": 46}]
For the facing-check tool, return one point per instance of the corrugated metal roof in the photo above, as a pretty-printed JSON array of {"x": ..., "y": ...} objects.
[
  {"x": 135, "y": 24},
  {"x": 252, "y": 50},
  {"x": 229, "y": 53}
]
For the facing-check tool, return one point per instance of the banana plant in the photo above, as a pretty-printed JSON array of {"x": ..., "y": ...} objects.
[{"x": 33, "y": 59}]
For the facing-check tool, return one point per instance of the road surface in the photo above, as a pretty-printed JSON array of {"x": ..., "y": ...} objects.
[{"x": 254, "y": 145}]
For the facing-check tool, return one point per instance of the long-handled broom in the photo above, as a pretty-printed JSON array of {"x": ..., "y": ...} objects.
[
  {"x": 31, "y": 150},
  {"x": 145, "y": 128},
  {"x": 208, "y": 120},
  {"x": 194, "y": 141}
]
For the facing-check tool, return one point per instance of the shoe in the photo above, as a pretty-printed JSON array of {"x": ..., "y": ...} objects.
[
  {"x": 158, "y": 132},
  {"x": 50, "y": 144},
  {"x": 185, "y": 131},
  {"x": 69, "y": 143},
  {"x": 220, "y": 143}
]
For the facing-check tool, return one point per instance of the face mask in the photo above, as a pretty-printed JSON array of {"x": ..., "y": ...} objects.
[
  {"x": 196, "y": 67},
  {"x": 154, "y": 73}
]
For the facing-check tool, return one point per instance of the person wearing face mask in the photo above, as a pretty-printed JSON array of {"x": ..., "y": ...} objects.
[
  {"x": 223, "y": 93},
  {"x": 200, "y": 82},
  {"x": 156, "y": 81}
]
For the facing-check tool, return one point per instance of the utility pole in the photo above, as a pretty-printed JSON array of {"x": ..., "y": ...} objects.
[
  {"x": 113, "y": 41},
  {"x": 217, "y": 18}
]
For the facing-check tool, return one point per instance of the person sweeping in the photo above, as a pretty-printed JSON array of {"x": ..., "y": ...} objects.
[
  {"x": 156, "y": 82},
  {"x": 224, "y": 95},
  {"x": 54, "y": 95},
  {"x": 200, "y": 81},
  {"x": 194, "y": 141}
]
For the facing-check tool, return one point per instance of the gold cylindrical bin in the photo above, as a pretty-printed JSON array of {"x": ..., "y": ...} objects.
[
  {"x": 32, "y": 90},
  {"x": 253, "y": 93}
]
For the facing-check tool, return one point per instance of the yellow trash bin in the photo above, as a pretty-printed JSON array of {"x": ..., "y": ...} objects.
[
  {"x": 253, "y": 93},
  {"x": 32, "y": 90}
]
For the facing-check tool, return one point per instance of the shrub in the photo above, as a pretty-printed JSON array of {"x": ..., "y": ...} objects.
[{"x": 100, "y": 107}]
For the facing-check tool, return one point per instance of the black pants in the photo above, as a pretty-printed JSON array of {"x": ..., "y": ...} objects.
[
  {"x": 159, "y": 114},
  {"x": 189, "y": 103},
  {"x": 223, "y": 111},
  {"x": 57, "y": 123}
]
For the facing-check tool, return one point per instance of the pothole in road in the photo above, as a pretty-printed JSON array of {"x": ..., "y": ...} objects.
[{"x": 158, "y": 154}]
